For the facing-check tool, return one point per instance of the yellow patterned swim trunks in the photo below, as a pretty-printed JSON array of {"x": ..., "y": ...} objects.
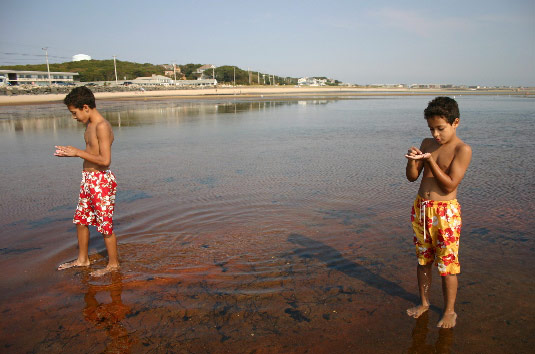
[{"x": 437, "y": 228}]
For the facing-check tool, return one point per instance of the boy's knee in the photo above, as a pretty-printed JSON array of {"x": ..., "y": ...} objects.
[{"x": 425, "y": 266}]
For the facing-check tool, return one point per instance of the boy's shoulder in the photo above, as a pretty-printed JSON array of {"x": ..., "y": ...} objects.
[
  {"x": 102, "y": 127},
  {"x": 462, "y": 148},
  {"x": 100, "y": 122}
]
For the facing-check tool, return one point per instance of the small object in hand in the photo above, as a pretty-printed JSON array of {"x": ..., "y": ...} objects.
[{"x": 419, "y": 156}]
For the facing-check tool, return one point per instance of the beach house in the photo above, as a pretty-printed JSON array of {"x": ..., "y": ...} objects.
[{"x": 20, "y": 77}]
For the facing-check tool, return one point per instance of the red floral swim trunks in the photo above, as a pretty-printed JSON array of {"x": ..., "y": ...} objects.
[
  {"x": 97, "y": 200},
  {"x": 437, "y": 229}
]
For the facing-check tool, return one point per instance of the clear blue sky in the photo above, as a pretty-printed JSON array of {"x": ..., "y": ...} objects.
[{"x": 459, "y": 42}]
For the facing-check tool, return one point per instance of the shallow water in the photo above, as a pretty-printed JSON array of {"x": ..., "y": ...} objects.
[{"x": 263, "y": 226}]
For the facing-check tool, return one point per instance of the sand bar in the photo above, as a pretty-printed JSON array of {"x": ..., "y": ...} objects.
[{"x": 258, "y": 92}]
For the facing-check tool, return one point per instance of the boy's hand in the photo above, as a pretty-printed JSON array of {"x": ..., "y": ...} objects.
[
  {"x": 416, "y": 154},
  {"x": 65, "y": 151}
]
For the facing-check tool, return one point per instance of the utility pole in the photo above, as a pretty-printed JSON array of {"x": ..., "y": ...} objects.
[
  {"x": 234, "y": 76},
  {"x": 115, "y": 66},
  {"x": 249, "y": 72},
  {"x": 174, "y": 71},
  {"x": 258, "y": 77},
  {"x": 47, "y": 67}
]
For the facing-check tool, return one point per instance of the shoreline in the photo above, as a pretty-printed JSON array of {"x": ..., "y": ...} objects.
[{"x": 259, "y": 92}]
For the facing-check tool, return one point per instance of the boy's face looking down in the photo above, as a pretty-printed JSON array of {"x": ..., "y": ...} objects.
[
  {"x": 441, "y": 130},
  {"x": 81, "y": 115}
]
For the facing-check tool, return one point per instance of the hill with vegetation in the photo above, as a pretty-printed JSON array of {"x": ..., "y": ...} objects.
[
  {"x": 97, "y": 70},
  {"x": 103, "y": 70}
]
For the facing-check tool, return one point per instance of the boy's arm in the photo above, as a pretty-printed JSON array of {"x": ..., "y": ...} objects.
[
  {"x": 104, "y": 142},
  {"x": 449, "y": 182},
  {"x": 414, "y": 165}
]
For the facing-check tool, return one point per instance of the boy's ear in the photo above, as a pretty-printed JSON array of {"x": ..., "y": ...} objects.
[
  {"x": 85, "y": 108},
  {"x": 456, "y": 122}
]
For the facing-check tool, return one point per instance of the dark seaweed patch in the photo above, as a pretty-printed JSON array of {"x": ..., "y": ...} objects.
[
  {"x": 4, "y": 251},
  {"x": 297, "y": 315},
  {"x": 33, "y": 224},
  {"x": 207, "y": 181},
  {"x": 129, "y": 196}
]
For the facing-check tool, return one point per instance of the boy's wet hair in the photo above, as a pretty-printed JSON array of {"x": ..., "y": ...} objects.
[
  {"x": 79, "y": 96},
  {"x": 443, "y": 107}
]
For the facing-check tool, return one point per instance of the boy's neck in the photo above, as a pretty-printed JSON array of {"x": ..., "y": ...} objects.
[{"x": 94, "y": 116}]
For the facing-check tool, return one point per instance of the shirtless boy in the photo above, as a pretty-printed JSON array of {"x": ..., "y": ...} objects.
[
  {"x": 97, "y": 190},
  {"x": 436, "y": 214}
]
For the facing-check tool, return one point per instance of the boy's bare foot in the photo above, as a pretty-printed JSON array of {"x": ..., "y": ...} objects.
[
  {"x": 448, "y": 320},
  {"x": 417, "y": 311},
  {"x": 74, "y": 263},
  {"x": 101, "y": 272}
]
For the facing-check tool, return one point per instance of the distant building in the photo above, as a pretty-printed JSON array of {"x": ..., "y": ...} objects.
[
  {"x": 20, "y": 77},
  {"x": 199, "y": 82},
  {"x": 80, "y": 57},
  {"x": 311, "y": 81},
  {"x": 172, "y": 72},
  {"x": 202, "y": 69},
  {"x": 153, "y": 80}
]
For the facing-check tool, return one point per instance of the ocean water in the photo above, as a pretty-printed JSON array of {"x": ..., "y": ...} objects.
[{"x": 265, "y": 226}]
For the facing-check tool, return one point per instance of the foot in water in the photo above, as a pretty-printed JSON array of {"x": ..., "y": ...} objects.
[
  {"x": 448, "y": 320},
  {"x": 72, "y": 264},
  {"x": 417, "y": 311},
  {"x": 101, "y": 272}
]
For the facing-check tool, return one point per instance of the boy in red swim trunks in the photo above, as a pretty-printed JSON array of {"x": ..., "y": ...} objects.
[
  {"x": 98, "y": 187},
  {"x": 436, "y": 214}
]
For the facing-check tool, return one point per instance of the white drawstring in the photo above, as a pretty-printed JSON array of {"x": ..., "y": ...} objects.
[{"x": 423, "y": 203}]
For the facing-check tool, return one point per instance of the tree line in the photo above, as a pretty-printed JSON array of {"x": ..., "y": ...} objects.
[{"x": 103, "y": 70}]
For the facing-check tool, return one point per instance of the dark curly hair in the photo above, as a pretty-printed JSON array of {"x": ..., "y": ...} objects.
[
  {"x": 79, "y": 96},
  {"x": 443, "y": 107}
]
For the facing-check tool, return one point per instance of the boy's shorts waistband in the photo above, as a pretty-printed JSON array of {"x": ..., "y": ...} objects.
[
  {"x": 420, "y": 199},
  {"x": 91, "y": 172}
]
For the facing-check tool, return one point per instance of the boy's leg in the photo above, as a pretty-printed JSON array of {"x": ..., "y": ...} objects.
[
  {"x": 113, "y": 257},
  {"x": 449, "y": 290},
  {"x": 83, "y": 246},
  {"x": 424, "y": 275}
]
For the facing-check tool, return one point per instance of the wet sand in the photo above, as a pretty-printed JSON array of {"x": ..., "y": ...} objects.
[{"x": 262, "y": 227}]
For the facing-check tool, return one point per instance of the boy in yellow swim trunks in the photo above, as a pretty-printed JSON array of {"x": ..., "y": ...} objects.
[{"x": 436, "y": 214}]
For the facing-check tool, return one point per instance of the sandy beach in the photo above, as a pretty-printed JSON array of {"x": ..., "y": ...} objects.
[{"x": 260, "y": 92}]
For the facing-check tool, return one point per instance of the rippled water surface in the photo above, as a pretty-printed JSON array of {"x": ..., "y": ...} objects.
[{"x": 276, "y": 226}]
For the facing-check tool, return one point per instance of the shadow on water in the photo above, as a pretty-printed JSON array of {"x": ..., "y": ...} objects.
[
  {"x": 334, "y": 260},
  {"x": 108, "y": 316},
  {"x": 419, "y": 338}
]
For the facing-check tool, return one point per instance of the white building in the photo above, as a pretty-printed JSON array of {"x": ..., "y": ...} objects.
[
  {"x": 311, "y": 81},
  {"x": 153, "y": 80},
  {"x": 20, "y": 77},
  {"x": 201, "y": 83},
  {"x": 80, "y": 57}
]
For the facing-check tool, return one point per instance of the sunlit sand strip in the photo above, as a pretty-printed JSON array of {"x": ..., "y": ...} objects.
[{"x": 254, "y": 92}]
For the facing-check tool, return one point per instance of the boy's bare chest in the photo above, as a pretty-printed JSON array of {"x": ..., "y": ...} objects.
[
  {"x": 444, "y": 157},
  {"x": 90, "y": 137}
]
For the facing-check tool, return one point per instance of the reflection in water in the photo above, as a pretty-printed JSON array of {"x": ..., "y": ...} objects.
[
  {"x": 419, "y": 338},
  {"x": 108, "y": 316},
  {"x": 131, "y": 113}
]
